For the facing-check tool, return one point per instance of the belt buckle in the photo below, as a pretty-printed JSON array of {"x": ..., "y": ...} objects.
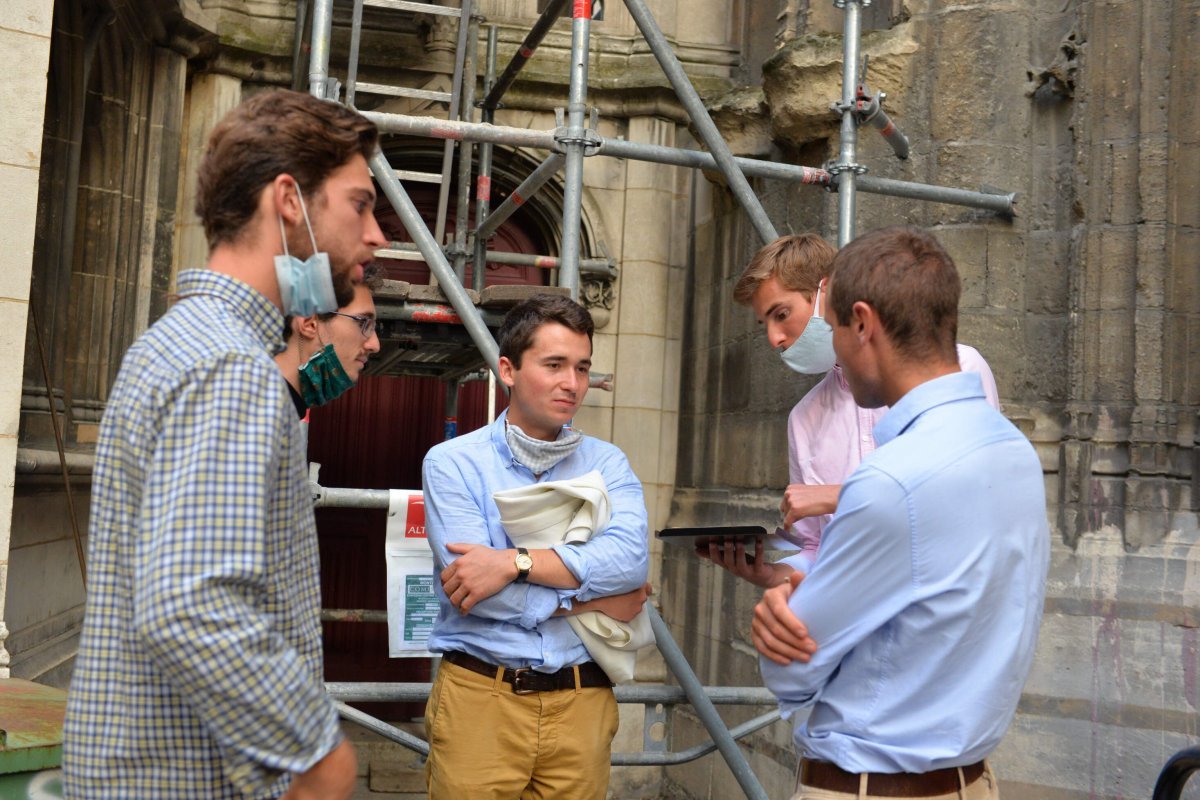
[{"x": 518, "y": 688}]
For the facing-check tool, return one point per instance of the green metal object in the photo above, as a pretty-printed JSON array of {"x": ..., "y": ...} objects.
[
  {"x": 44, "y": 785},
  {"x": 31, "y": 726}
]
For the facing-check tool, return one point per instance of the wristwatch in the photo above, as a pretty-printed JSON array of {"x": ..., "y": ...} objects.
[{"x": 524, "y": 563}]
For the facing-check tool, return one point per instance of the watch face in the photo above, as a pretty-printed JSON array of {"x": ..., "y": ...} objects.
[{"x": 524, "y": 562}]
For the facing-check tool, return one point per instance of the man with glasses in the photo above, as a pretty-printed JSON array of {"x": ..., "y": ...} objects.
[{"x": 324, "y": 354}]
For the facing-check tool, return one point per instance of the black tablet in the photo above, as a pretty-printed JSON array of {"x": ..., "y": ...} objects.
[{"x": 699, "y": 538}]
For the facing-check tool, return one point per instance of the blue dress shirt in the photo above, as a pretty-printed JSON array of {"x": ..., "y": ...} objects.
[
  {"x": 926, "y": 597},
  {"x": 515, "y": 627}
]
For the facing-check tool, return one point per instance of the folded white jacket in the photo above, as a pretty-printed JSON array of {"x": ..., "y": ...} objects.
[{"x": 565, "y": 512}]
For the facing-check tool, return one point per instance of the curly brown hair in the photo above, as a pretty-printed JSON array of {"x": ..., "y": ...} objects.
[{"x": 276, "y": 132}]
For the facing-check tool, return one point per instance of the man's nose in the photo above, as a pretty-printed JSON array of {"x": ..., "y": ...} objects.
[
  {"x": 372, "y": 345},
  {"x": 373, "y": 235},
  {"x": 776, "y": 335}
]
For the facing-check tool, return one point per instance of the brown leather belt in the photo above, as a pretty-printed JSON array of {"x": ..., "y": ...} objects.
[
  {"x": 831, "y": 777},
  {"x": 526, "y": 681}
]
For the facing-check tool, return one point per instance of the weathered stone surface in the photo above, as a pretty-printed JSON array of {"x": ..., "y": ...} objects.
[
  {"x": 805, "y": 76},
  {"x": 742, "y": 118}
]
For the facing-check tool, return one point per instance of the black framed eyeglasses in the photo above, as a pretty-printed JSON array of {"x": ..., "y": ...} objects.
[{"x": 365, "y": 324}]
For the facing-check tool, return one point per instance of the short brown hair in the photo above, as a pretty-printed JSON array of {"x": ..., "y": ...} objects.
[
  {"x": 798, "y": 262},
  {"x": 910, "y": 280},
  {"x": 522, "y": 321},
  {"x": 273, "y": 133}
]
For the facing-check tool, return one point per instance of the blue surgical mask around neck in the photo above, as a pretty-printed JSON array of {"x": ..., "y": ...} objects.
[
  {"x": 812, "y": 352},
  {"x": 305, "y": 286}
]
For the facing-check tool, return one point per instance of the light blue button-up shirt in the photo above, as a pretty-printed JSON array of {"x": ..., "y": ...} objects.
[
  {"x": 516, "y": 627},
  {"x": 926, "y": 597}
]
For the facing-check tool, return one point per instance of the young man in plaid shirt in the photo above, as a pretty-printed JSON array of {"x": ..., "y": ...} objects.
[{"x": 199, "y": 672}]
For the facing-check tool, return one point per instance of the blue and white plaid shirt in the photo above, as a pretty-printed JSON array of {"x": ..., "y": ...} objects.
[{"x": 199, "y": 672}]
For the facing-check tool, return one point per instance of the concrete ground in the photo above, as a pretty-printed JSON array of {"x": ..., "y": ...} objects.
[{"x": 386, "y": 770}]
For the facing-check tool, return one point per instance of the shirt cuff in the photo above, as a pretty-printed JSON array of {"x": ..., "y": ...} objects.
[
  {"x": 577, "y": 563},
  {"x": 801, "y": 563},
  {"x": 540, "y": 604}
]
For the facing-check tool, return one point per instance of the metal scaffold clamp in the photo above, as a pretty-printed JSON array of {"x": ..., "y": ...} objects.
[
  {"x": 868, "y": 110},
  {"x": 588, "y": 137},
  {"x": 842, "y": 3}
]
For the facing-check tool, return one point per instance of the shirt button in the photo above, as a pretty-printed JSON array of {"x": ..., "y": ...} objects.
[{"x": 866, "y": 438}]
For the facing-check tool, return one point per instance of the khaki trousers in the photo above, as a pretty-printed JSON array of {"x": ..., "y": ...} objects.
[
  {"x": 984, "y": 788},
  {"x": 487, "y": 743}
]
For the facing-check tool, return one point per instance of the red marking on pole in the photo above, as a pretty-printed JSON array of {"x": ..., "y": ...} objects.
[
  {"x": 582, "y": 10},
  {"x": 545, "y": 262},
  {"x": 517, "y": 199},
  {"x": 436, "y": 314},
  {"x": 438, "y": 132},
  {"x": 527, "y": 52},
  {"x": 889, "y": 128},
  {"x": 483, "y": 188}
]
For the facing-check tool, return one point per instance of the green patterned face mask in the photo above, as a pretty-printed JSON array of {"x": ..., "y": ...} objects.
[{"x": 322, "y": 378}]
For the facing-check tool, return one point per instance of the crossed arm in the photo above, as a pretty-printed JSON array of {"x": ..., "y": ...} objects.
[
  {"x": 480, "y": 572},
  {"x": 608, "y": 573}
]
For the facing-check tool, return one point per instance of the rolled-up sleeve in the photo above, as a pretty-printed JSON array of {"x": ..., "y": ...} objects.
[
  {"x": 616, "y": 560},
  {"x": 453, "y": 514}
]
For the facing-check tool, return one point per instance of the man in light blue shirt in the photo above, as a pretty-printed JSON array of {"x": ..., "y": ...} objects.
[
  {"x": 925, "y": 601},
  {"x": 518, "y": 708}
]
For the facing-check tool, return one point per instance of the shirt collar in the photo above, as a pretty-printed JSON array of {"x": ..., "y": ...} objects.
[
  {"x": 932, "y": 393},
  {"x": 840, "y": 377},
  {"x": 260, "y": 314},
  {"x": 500, "y": 441}
]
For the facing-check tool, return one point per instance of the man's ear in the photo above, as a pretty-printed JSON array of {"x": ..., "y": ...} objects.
[
  {"x": 864, "y": 322},
  {"x": 507, "y": 370},
  {"x": 305, "y": 327},
  {"x": 285, "y": 199}
]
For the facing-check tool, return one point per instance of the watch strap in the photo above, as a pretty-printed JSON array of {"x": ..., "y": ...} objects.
[{"x": 522, "y": 572}]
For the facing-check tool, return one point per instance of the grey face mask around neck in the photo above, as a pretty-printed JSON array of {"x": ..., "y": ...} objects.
[{"x": 540, "y": 456}]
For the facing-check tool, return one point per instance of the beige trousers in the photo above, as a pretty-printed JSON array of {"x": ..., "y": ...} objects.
[{"x": 487, "y": 743}]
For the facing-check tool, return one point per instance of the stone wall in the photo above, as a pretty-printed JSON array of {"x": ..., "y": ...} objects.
[
  {"x": 25, "y": 38},
  {"x": 1086, "y": 306},
  {"x": 108, "y": 131}
]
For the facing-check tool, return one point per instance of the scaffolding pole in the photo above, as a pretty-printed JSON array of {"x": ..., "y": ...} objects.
[
  {"x": 846, "y": 169},
  {"x": 318, "y": 61},
  {"x": 525, "y": 52},
  {"x": 462, "y": 211},
  {"x": 483, "y": 184},
  {"x": 528, "y": 188},
  {"x": 573, "y": 141},
  {"x": 1001, "y": 203},
  {"x": 705, "y": 710},
  {"x": 701, "y": 119},
  {"x": 455, "y": 112},
  {"x": 602, "y": 267},
  {"x": 436, "y": 259}
]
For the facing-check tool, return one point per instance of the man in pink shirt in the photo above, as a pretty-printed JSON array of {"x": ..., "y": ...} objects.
[{"x": 828, "y": 433}]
